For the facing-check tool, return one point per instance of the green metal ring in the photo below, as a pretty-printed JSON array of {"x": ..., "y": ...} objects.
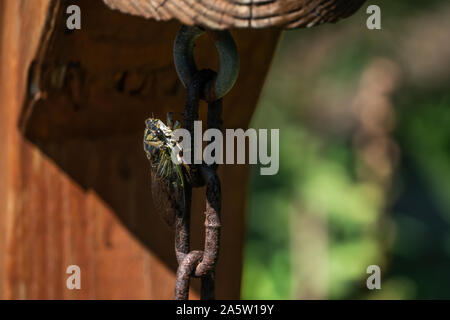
[{"x": 183, "y": 53}]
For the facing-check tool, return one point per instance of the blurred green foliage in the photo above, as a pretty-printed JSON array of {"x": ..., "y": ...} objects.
[{"x": 315, "y": 227}]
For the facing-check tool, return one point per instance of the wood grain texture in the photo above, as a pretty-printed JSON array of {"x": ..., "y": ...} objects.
[
  {"x": 74, "y": 180},
  {"x": 225, "y": 14}
]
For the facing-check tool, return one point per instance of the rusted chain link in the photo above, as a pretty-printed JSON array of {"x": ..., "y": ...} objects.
[
  {"x": 199, "y": 263},
  {"x": 228, "y": 58},
  {"x": 201, "y": 85}
]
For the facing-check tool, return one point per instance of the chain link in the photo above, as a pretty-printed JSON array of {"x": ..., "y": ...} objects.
[
  {"x": 199, "y": 263},
  {"x": 201, "y": 85}
]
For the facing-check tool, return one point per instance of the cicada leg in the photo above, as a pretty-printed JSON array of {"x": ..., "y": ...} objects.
[
  {"x": 177, "y": 125},
  {"x": 170, "y": 120},
  {"x": 170, "y": 123}
]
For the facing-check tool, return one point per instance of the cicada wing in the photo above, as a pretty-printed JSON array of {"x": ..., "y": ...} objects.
[{"x": 168, "y": 197}]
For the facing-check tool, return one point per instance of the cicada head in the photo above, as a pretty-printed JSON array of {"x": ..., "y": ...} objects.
[
  {"x": 167, "y": 176},
  {"x": 154, "y": 138}
]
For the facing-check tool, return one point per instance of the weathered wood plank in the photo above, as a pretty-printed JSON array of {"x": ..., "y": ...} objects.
[{"x": 226, "y": 14}]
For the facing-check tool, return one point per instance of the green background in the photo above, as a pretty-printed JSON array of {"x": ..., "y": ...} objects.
[{"x": 364, "y": 176}]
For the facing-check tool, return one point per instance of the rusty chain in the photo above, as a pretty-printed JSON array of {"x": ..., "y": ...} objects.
[{"x": 211, "y": 87}]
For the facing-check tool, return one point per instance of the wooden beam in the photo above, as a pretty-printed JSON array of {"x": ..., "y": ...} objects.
[
  {"x": 74, "y": 181},
  {"x": 255, "y": 14}
]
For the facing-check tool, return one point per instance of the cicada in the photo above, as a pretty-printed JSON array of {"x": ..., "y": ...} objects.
[{"x": 168, "y": 170}]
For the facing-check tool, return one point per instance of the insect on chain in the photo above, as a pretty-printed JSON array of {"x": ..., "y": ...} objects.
[{"x": 172, "y": 181}]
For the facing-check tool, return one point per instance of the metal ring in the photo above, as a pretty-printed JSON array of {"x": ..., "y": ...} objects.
[{"x": 183, "y": 53}]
